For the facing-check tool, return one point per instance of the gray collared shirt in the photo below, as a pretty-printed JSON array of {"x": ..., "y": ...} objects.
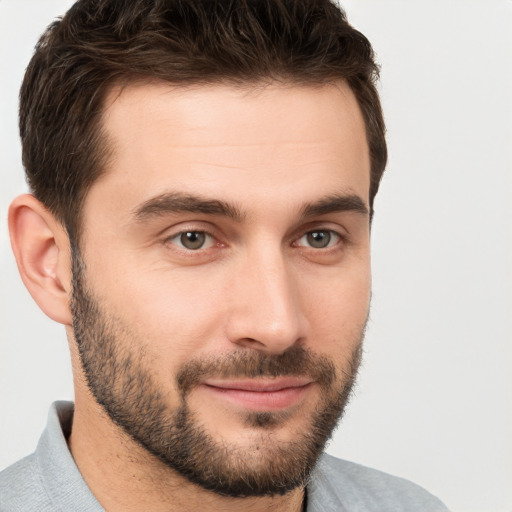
[{"x": 49, "y": 481}]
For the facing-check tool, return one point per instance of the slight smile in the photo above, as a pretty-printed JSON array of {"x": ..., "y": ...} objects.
[{"x": 261, "y": 394}]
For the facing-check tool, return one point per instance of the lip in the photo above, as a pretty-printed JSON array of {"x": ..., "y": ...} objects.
[{"x": 260, "y": 394}]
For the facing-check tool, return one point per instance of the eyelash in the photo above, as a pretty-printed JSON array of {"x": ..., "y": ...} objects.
[
  {"x": 178, "y": 235},
  {"x": 332, "y": 234}
]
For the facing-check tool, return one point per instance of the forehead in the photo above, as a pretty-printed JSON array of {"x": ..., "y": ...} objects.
[{"x": 252, "y": 143}]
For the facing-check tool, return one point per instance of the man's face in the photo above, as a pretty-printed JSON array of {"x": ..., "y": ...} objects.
[{"x": 223, "y": 281}]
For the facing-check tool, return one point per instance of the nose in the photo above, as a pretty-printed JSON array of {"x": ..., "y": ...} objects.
[{"x": 266, "y": 311}]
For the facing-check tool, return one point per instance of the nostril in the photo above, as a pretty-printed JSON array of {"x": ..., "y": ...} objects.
[{"x": 250, "y": 343}]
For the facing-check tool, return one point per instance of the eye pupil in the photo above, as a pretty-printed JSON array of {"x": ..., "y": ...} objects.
[
  {"x": 319, "y": 239},
  {"x": 193, "y": 239}
]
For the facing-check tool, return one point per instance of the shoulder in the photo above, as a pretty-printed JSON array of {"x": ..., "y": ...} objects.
[
  {"x": 338, "y": 485},
  {"x": 21, "y": 488}
]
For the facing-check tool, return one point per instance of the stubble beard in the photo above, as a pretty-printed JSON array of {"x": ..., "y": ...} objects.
[{"x": 121, "y": 381}]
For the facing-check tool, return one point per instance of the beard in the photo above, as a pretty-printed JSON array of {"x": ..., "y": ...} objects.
[{"x": 121, "y": 380}]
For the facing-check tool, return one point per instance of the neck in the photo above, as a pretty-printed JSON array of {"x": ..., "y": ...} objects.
[{"x": 123, "y": 476}]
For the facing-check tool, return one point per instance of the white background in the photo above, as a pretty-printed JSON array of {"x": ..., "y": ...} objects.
[{"x": 434, "y": 400}]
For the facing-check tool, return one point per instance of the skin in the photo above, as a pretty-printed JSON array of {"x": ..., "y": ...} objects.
[{"x": 256, "y": 285}]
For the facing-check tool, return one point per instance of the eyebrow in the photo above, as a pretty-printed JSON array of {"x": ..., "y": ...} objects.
[
  {"x": 177, "y": 202},
  {"x": 335, "y": 203}
]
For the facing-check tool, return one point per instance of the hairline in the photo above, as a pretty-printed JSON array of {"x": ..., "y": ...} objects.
[{"x": 114, "y": 89}]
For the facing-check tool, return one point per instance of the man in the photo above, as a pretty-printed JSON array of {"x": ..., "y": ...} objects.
[{"x": 203, "y": 178}]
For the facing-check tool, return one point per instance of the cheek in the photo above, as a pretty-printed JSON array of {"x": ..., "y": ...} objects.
[
  {"x": 337, "y": 307},
  {"x": 179, "y": 313},
  {"x": 172, "y": 313}
]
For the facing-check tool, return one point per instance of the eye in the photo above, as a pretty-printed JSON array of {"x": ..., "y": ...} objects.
[
  {"x": 193, "y": 240},
  {"x": 319, "y": 239}
]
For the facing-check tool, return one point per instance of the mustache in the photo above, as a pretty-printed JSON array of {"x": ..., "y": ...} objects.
[{"x": 295, "y": 361}]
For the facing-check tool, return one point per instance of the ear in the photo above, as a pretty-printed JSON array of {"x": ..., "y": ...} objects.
[{"x": 42, "y": 251}]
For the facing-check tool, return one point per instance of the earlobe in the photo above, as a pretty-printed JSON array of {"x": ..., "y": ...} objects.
[{"x": 41, "y": 248}]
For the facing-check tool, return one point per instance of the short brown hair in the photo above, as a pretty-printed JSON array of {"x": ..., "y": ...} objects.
[{"x": 101, "y": 43}]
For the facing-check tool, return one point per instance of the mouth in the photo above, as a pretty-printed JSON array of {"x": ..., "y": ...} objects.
[{"x": 265, "y": 395}]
